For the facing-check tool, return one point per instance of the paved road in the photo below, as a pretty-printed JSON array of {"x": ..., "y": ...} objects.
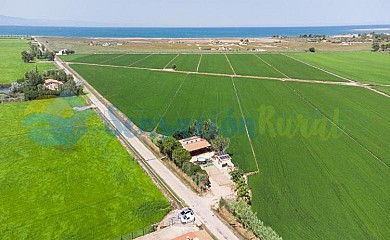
[{"x": 201, "y": 205}]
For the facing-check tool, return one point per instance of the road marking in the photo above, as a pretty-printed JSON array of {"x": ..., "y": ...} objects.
[
  {"x": 230, "y": 64},
  {"x": 245, "y": 125},
  {"x": 171, "y": 61},
  {"x": 200, "y": 59},
  {"x": 139, "y": 60}
]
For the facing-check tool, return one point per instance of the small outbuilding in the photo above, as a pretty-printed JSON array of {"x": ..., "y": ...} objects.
[
  {"x": 53, "y": 84},
  {"x": 224, "y": 159}
]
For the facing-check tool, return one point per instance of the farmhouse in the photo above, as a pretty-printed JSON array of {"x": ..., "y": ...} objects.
[
  {"x": 195, "y": 145},
  {"x": 52, "y": 84}
]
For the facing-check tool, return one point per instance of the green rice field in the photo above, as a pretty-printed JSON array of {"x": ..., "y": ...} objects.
[
  {"x": 80, "y": 184},
  {"x": 321, "y": 150},
  {"x": 12, "y": 66},
  {"x": 336, "y": 67},
  {"x": 366, "y": 67}
]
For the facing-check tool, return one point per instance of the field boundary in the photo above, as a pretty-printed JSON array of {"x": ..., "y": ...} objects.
[
  {"x": 245, "y": 125},
  {"x": 139, "y": 60},
  {"x": 231, "y": 66},
  {"x": 107, "y": 60},
  {"x": 272, "y": 67},
  {"x": 337, "y": 126},
  {"x": 326, "y": 71},
  {"x": 200, "y": 59},
  {"x": 173, "y": 59},
  {"x": 170, "y": 103}
]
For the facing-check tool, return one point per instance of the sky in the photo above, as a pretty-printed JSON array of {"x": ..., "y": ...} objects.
[{"x": 204, "y": 13}]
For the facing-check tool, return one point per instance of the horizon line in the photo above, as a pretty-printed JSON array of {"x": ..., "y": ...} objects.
[{"x": 113, "y": 26}]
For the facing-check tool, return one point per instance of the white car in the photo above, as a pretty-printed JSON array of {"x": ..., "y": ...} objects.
[{"x": 186, "y": 216}]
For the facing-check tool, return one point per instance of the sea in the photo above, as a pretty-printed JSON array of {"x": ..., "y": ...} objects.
[{"x": 187, "y": 32}]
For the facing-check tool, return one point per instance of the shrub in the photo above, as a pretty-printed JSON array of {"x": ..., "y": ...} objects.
[
  {"x": 236, "y": 174},
  {"x": 312, "y": 49},
  {"x": 201, "y": 178},
  {"x": 249, "y": 220}
]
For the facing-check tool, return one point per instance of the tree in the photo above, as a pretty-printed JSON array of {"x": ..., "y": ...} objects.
[
  {"x": 220, "y": 144},
  {"x": 193, "y": 129},
  {"x": 180, "y": 134},
  {"x": 174, "y": 67},
  {"x": 375, "y": 46},
  {"x": 209, "y": 130},
  {"x": 27, "y": 56},
  {"x": 71, "y": 88},
  {"x": 169, "y": 145},
  {"x": 50, "y": 56},
  {"x": 180, "y": 156},
  {"x": 34, "y": 77},
  {"x": 312, "y": 49},
  {"x": 59, "y": 75},
  {"x": 30, "y": 90}
]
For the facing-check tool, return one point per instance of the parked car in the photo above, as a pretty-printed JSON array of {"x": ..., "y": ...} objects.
[{"x": 186, "y": 216}]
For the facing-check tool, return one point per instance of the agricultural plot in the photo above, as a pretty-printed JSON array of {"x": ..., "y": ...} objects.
[
  {"x": 187, "y": 62},
  {"x": 142, "y": 95},
  {"x": 94, "y": 58},
  {"x": 317, "y": 178},
  {"x": 159, "y": 61},
  {"x": 125, "y": 60},
  {"x": 365, "y": 67},
  {"x": 69, "y": 177},
  {"x": 215, "y": 63},
  {"x": 251, "y": 65},
  {"x": 12, "y": 66},
  {"x": 367, "y": 122},
  {"x": 295, "y": 69},
  {"x": 76, "y": 57}
]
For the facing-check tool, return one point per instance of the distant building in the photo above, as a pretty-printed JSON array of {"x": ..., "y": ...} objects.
[
  {"x": 62, "y": 52},
  {"x": 52, "y": 84},
  {"x": 195, "y": 145}
]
